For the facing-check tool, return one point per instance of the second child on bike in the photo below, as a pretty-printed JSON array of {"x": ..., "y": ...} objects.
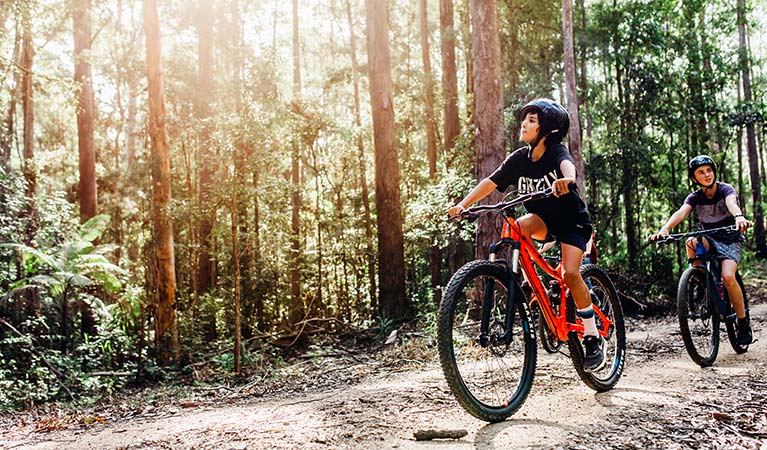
[
  {"x": 546, "y": 163},
  {"x": 716, "y": 205}
]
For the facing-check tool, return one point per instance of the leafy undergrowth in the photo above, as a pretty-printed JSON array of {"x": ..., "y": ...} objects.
[{"x": 327, "y": 362}]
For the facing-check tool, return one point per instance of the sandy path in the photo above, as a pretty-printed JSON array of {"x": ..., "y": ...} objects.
[{"x": 662, "y": 401}]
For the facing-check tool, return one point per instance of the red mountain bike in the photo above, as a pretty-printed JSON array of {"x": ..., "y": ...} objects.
[{"x": 486, "y": 344}]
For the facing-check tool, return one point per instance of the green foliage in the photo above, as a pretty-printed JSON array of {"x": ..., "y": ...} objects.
[
  {"x": 65, "y": 275},
  {"x": 78, "y": 263}
]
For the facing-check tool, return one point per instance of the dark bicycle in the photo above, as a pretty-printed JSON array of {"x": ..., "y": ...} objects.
[{"x": 703, "y": 302}]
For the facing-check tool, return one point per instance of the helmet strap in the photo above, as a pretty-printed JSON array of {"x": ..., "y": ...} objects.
[{"x": 533, "y": 145}]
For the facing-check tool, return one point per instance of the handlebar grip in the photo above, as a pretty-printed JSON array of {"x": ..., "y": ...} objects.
[{"x": 465, "y": 215}]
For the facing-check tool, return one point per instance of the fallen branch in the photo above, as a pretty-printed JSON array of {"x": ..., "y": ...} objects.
[
  {"x": 427, "y": 435},
  {"x": 110, "y": 374}
]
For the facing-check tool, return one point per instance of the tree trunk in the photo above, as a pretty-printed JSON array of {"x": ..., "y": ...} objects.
[
  {"x": 85, "y": 109},
  {"x": 264, "y": 324},
  {"x": 488, "y": 109},
  {"x": 448, "y": 32},
  {"x": 431, "y": 135},
  {"x": 627, "y": 168},
  {"x": 391, "y": 257},
  {"x": 452, "y": 124},
  {"x": 236, "y": 263},
  {"x": 574, "y": 136},
  {"x": 739, "y": 146},
  {"x": 28, "y": 107},
  {"x": 753, "y": 158},
  {"x": 296, "y": 302},
  {"x": 8, "y": 131},
  {"x": 370, "y": 255},
  {"x": 166, "y": 331},
  {"x": 468, "y": 42},
  {"x": 206, "y": 158}
]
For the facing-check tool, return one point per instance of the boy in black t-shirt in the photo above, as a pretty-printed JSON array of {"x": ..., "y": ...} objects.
[
  {"x": 717, "y": 206},
  {"x": 546, "y": 163}
]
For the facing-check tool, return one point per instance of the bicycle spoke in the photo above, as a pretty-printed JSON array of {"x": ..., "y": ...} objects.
[{"x": 491, "y": 374}]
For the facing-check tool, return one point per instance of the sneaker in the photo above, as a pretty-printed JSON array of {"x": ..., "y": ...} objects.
[
  {"x": 594, "y": 358},
  {"x": 745, "y": 336}
]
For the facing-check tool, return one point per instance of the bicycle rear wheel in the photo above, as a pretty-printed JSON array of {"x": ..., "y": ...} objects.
[
  {"x": 698, "y": 317},
  {"x": 730, "y": 323},
  {"x": 489, "y": 381},
  {"x": 605, "y": 297}
]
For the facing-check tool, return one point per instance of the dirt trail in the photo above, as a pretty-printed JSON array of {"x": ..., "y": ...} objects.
[{"x": 662, "y": 401}]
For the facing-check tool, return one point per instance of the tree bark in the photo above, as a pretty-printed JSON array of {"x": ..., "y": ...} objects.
[
  {"x": 431, "y": 135},
  {"x": 391, "y": 257},
  {"x": 28, "y": 106},
  {"x": 753, "y": 158},
  {"x": 85, "y": 109},
  {"x": 296, "y": 302},
  {"x": 6, "y": 134},
  {"x": 206, "y": 158},
  {"x": 236, "y": 263},
  {"x": 488, "y": 109},
  {"x": 166, "y": 331},
  {"x": 467, "y": 36},
  {"x": 370, "y": 255},
  {"x": 574, "y": 135},
  {"x": 452, "y": 124}
]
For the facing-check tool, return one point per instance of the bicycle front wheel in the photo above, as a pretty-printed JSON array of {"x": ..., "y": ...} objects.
[
  {"x": 489, "y": 379},
  {"x": 605, "y": 297},
  {"x": 698, "y": 317}
]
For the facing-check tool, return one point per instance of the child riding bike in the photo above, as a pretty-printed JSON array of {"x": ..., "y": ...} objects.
[
  {"x": 546, "y": 163},
  {"x": 716, "y": 205}
]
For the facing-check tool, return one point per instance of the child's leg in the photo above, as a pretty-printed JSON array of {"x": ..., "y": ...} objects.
[
  {"x": 533, "y": 227},
  {"x": 571, "y": 268},
  {"x": 571, "y": 264},
  {"x": 691, "y": 244},
  {"x": 729, "y": 267}
]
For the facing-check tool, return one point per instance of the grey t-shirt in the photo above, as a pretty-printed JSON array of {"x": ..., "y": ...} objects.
[{"x": 713, "y": 212}]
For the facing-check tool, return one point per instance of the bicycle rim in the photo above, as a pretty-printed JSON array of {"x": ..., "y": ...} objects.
[
  {"x": 491, "y": 382},
  {"x": 605, "y": 297},
  {"x": 698, "y": 317}
]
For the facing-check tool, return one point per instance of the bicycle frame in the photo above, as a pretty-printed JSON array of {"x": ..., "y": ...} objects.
[
  {"x": 713, "y": 280},
  {"x": 526, "y": 255}
]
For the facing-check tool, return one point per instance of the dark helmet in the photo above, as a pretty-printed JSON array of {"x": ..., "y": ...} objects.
[
  {"x": 699, "y": 161},
  {"x": 552, "y": 117}
]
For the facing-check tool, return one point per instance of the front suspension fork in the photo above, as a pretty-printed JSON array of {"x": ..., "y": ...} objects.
[{"x": 515, "y": 293}]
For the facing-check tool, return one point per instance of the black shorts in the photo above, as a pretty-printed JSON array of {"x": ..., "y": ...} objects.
[{"x": 576, "y": 234}]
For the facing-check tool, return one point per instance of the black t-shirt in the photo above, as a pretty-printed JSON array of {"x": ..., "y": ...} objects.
[{"x": 560, "y": 213}]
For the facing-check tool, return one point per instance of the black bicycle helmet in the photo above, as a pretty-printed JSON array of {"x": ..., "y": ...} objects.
[
  {"x": 552, "y": 117},
  {"x": 699, "y": 161}
]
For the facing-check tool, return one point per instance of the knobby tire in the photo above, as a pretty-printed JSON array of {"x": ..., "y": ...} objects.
[
  {"x": 698, "y": 317},
  {"x": 604, "y": 294},
  {"x": 491, "y": 383}
]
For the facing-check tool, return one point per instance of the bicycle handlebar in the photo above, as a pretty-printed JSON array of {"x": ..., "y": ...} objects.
[
  {"x": 472, "y": 214},
  {"x": 675, "y": 237}
]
